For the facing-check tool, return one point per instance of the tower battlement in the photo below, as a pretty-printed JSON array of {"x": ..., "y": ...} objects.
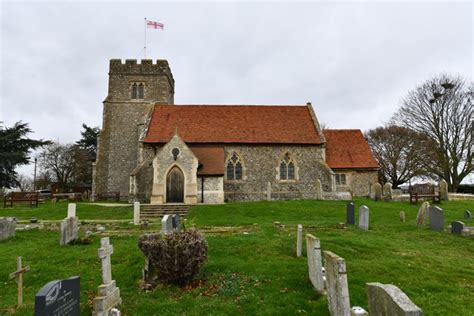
[{"x": 143, "y": 67}]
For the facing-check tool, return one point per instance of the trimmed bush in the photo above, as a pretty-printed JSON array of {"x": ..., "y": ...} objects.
[{"x": 177, "y": 256}]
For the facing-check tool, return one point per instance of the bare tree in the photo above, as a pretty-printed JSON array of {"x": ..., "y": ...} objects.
[
  {"x": 397, "y": 150},
  {"x": 58, "y": 159},
  {"x": 442, "y": 109},
  {"x": 24, "y": 183}
]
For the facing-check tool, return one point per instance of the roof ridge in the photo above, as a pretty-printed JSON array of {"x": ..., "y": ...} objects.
[{"x": 234, "y": 105}]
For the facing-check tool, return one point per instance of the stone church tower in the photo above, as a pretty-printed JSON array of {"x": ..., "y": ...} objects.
[{"x": 133, "y": 91}]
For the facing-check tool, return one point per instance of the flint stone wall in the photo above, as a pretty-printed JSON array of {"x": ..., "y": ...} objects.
[{"x": 358, "y": 181}]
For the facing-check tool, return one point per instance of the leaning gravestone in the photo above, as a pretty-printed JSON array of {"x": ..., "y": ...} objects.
[
  {"x": 457, "y": 227},
  {"x": 7, "y": 227},
  {"x": 315, "y": 266},
  {"x": 166, "y": 224},
  {"x": 422, "y": 214},
  {"x": 467, "y": 214},
  {"x": 436, "y": 218},
  {"x": 387, "y": 299},
  {"x": 319, "y": 190},
  {"x": 364, "y": 217},
  {"x": 69, "y": 230},
  {"x": 176, "y": 221},
  {"x": 60, "y": 297},
  {"x": 350, "y": 213},
  {"x": 443, "y": 190},
  {"x": 387, "y": 191},
  {"x": 336, "y": 285},
  {"x": 377, "y": 191}
]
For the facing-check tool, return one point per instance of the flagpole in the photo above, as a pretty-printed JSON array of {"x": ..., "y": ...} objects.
[{"x": 144, "y": 42}]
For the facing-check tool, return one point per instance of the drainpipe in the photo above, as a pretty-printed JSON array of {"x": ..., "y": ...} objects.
[{"x": 202, "y": 190}]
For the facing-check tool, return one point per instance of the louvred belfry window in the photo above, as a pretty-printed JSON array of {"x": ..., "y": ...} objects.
[
  {"x": 234, "y": 168},
  {"x": 138, "y": 91}
]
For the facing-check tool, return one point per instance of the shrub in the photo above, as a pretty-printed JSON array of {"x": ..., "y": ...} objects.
[{"x": 176, "y": 257}]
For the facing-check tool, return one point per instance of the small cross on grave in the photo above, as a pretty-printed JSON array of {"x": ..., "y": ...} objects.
[
  {"x": 18, "y": 276},
  {"x": 104, "y": 254}
]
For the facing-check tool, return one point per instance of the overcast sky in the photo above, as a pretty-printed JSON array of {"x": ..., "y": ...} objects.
[{"x": 353, "y": 60}]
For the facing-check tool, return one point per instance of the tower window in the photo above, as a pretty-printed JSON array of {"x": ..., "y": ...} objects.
[
  {"x": 287, "y": 168},
  {"x": 138, "y": 91}
]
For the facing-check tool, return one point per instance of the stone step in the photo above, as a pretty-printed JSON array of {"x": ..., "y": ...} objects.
[{"x": 156, "y": 211}]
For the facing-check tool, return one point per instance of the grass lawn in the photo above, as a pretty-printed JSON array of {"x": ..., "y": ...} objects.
[{"x": 257, "y": 273}]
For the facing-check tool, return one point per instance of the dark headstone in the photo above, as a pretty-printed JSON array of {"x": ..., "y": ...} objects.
[
  {"x": 457, "y": 227},
  {"x": 33, "y": 220},
  {"x": 350, "y": 213},
  {"x": 59, "y": 297},
  {"x": 436, "y": 218},
  {"x": 176, "y": 222},
  {"x": 467, "y": 214}
]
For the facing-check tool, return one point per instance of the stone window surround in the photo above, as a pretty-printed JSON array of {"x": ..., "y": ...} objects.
[
  {"x": 346, "y": 179},
  {"x": 244, "y": 169},
  {"x": 277, "y": 168},
  {"x": 131, "y": 83}
]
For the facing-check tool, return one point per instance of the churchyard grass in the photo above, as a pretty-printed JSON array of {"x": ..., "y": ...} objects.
[{"x": 258, "y": 272}]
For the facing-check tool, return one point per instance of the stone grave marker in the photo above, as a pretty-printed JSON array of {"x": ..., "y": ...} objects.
[
  {"x": 136, "y": 213},
  {"x": 18, "y": 276},
  {"x": 336, "y": 285},
  {"x": 71, "y": 210},
  {"x": 299, "y": 240},
  {"x": 377, "y": 191},
  {"x": 176, "y": 221},
  {"x": 7, "y": 227},
  {"x": 467, "y": 215},
  {"x": 319, "y": 189},
  {"x": 269, "y": 191},
  {"x": 315, "y": 266},
  {"x": 108, "y": 293},
  {"x": 457, "y": 227},
  {"x": 443, "y": 190},
  {"x": 422, "y": 214},
  {"x": 387, "y": 299},
  {"x": 69, "y": 230},
  {"x": 436, "y": 218},
  {"x": 364, "y": 217},
  {"x": 402, "y": 216},
  {"x": 166, "y": 224},
  {"x": 358, "y": 311},
  {"x": 59, "y": 297},
  {"x": 387, "y": 191},
  {"x": 350, "y": 213}
]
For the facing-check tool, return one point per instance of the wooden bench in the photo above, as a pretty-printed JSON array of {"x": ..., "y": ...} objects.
[
  {"x": 72, "y": 197},
  {"x": 31, "y": 197},
  {"x": 423, "y": 190}
]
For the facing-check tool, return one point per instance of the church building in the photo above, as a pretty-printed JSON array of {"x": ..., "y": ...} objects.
[{"x": 154, "y": 151}]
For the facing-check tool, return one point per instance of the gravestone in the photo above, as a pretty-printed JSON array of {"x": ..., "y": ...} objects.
[
  {"x": 387, "y": 299},
  {"x": 436, "y": 218},
  {"x": 372, "y": 191},
  {"x": 176, "y": 220},
  {"x": 319, "y": 189},
  {"x": 443, "y": 190},
  {"x": 467, "y": 214},
  {"x": 377, "y": 191},
  {"x": 387, "y": 191},
  {"x": 18, "y": 276},
  {"x": 7, "y": 227},
  {"x": 71, "y": 210},
  {"x": 166, "y": 224},
  {"x": 315, "y": 266},
  {"x": 457, "y": 227},
  {"x": 336, "y": 285},
  {"x": 108, "y": 293},
  {"x": 402, "y": 216},
  {"x": 136, "y": 213},
  {"x": 364, "y": 217},
  {"x": 59, "y": 297},
  {"x": 299, "y": 240},
  {"x": 69, "y": 230},
  {"x": 269, "y": 191},
  {"x": 422, "y": 214},
  {"x": 350, "y": 213},
  {"x": 358, "y": 311}
]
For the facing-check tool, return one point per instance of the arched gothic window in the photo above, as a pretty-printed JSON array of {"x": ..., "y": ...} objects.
[
  {"x": 138, "y": 91},
  {"x": 234, "y": 168},
  {"x": 287, "y": 168}
]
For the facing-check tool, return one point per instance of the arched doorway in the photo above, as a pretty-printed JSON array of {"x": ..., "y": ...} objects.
[{"x": 175, "y": 186}]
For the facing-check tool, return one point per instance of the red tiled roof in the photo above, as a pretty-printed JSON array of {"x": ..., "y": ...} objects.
[
  {"x": 211, "y": 160},
  {"x": 233, "y": 124},
  {"x": 347, "y": 148}
]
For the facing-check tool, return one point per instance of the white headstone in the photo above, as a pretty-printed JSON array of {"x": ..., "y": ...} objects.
[
  {"x": 7, "y": 227},
  {"x": 364, "y": 217},
  {"x": 166, "y": 224},
  {"x": 315, "y": 266},
  {"x": 336, "y": 285},
  {"x": 299, "y": 240},
  {"x": 71, "y": 210},
  {"x": 387, "y": 299},
  {"x": 136, "y": 213}
]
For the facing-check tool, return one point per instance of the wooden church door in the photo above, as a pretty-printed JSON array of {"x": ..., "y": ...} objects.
[{"x": 175, "y": 186}]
